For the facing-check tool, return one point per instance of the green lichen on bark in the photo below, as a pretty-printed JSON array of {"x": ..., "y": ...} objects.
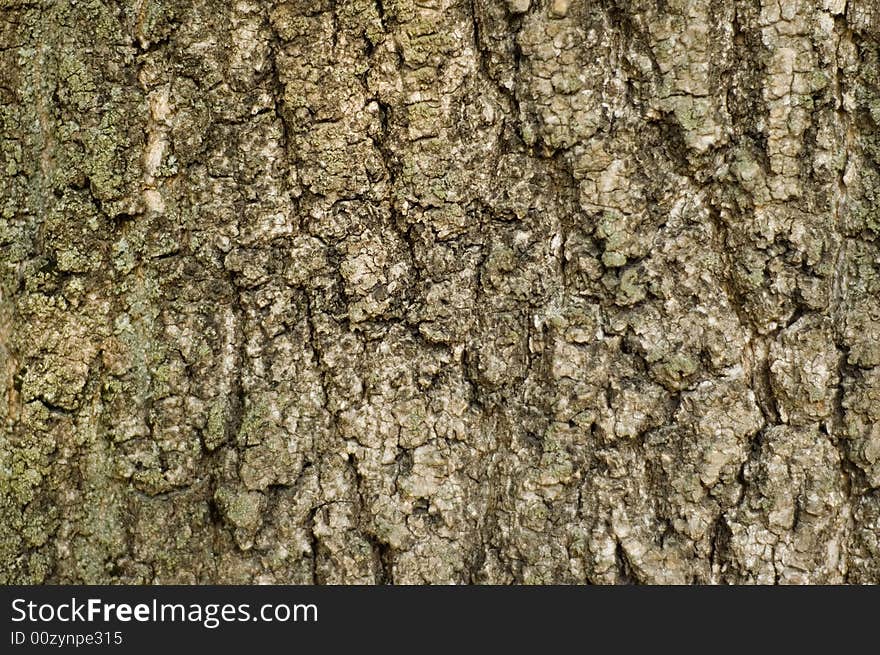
[{"x": 490, "y": 291}]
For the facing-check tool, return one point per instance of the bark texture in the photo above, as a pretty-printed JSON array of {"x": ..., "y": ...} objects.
[{"x": 508, "y": 291}]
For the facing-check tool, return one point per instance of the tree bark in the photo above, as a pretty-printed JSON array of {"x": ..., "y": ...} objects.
[{"x": 449, "y": 291}]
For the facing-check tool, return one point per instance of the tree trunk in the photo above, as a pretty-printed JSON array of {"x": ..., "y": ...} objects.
[{"x": 404, "y": 291}]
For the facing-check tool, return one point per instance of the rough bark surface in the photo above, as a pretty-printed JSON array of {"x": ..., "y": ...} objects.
[{"x": 508, "y": 291}]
